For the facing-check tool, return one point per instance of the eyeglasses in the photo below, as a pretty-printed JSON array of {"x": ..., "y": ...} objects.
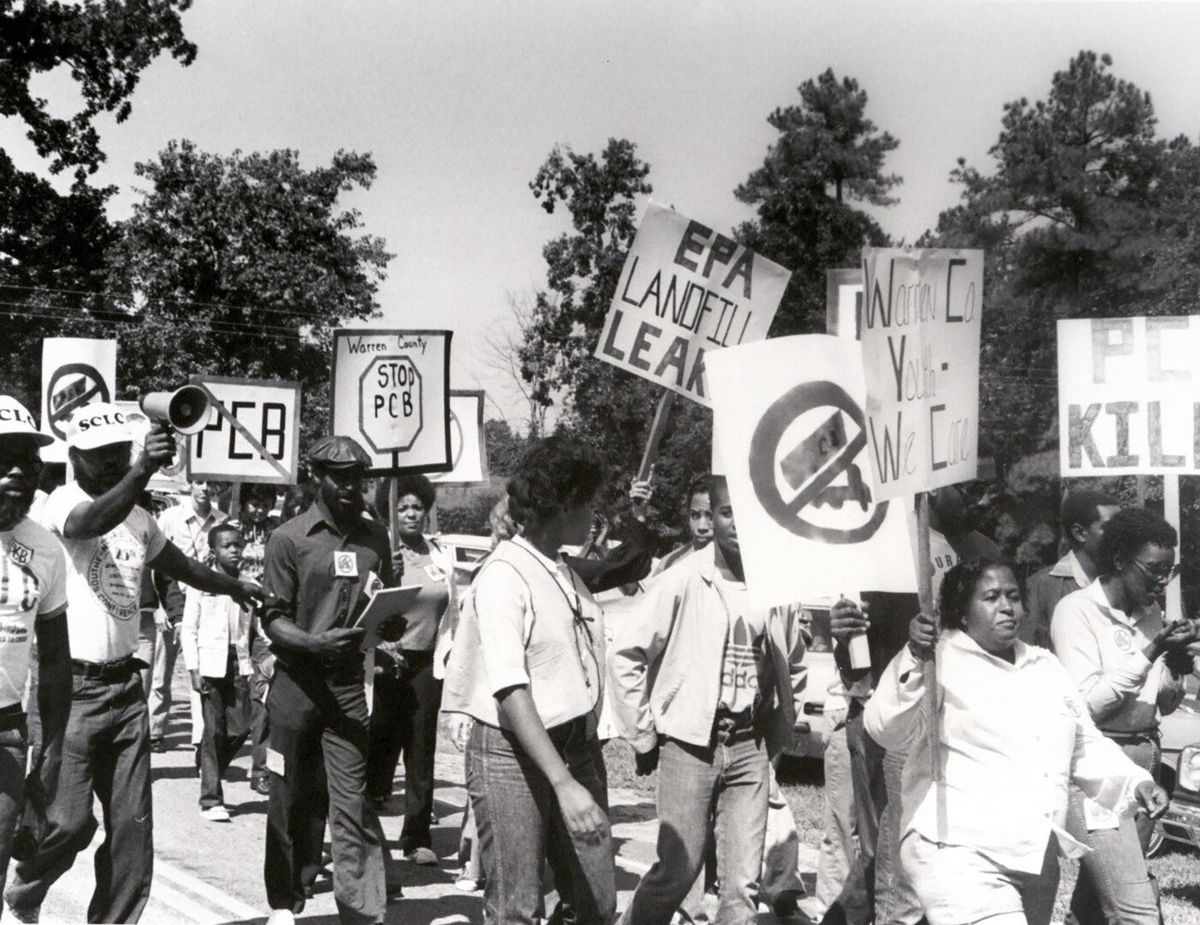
[{"x": 1157, "y": 577}]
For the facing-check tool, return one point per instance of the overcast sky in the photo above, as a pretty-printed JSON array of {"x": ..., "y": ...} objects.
[{"x": 460, "y": 102}]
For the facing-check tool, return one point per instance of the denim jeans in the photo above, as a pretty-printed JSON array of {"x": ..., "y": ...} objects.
[
  {"x": 726, "y": 783},
  {"x": 1115, "y": 883},
  {"x": 162, "y": 671},
  {"x": 226, "y": 723},
  {"x": 106, "y": 751},
  {"x": 405, "y": 719},
  {"x": 517, "y": 817},
  {"x": 896, "y": 901},
  {"x": 316, "y": 722},
  {"x": 263, "y": 661},
  {"x": 839, "y": 869},
  {"x": 12, "y": 791}
]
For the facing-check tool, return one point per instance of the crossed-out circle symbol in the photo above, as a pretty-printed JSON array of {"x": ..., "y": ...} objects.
[
  {"x": 764, "y": 447},
  {"x": 59, "y": 416}
]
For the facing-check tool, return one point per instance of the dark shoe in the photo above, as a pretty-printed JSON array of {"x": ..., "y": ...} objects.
[
  {"x": 158, "y": 746},
  {"x": 394, "y": 892},
  {"x": 261, "y": 785}
]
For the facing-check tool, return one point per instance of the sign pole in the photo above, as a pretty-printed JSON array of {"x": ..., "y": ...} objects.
[
  {"x": 235, "y": 500},
  {"x": 393, "y": 503},
  {"x": 1172, "y": 512},
  {"x": 657, "y": 429}
]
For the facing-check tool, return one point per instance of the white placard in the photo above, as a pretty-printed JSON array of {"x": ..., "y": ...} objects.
[
  {"x": 76, "y": 371},
  {"x": 686, "y": 290},
  {"x": 1128, "y": 396},
  {"x": 789, "y": 416},
  {"x": 920, "y": 347},
  {"x": 468, "y": 449},
  {"x": 252, "y": 435},
  {"x": 391, "y": 393}
]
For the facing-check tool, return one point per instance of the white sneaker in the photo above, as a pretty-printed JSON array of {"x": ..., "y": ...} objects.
[
  {"x": 216, "y": 813},
  {"x": 281, "y": 917}
]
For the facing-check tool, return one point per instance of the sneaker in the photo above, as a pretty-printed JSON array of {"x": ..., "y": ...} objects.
[
  {"x": 24, "y": 915},
  {"x": 423, "y": 856},
  {"x": 261, "y": 785},
  {"x": 467, "y": 885},
  {"x": 216, "y": 813},
  {"x": 281, "y": 917}
]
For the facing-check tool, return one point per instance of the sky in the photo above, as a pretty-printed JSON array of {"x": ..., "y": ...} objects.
[{"x": 460, "y": 102}]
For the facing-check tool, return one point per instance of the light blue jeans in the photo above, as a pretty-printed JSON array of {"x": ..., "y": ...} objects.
[
  {"x": 518, "y": 821},
  {"x": 1115, "y": 884},
  {"x": 724, "y": 783}
]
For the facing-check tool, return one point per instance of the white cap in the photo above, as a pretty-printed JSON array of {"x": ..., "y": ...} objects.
[
  {"x": 16, "y": 421},
  {"x": 96, "y": 425}
]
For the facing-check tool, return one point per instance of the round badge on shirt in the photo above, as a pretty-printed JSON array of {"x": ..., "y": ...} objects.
[{"x": 1123, "y": 640}]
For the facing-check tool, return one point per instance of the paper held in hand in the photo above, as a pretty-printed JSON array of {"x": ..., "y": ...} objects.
[{"x": 385, "y": 604}]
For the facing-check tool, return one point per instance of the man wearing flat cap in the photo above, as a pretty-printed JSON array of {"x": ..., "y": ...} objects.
[
  {"x": 33, "y": 599},
  {"x": 319, "y": 570},
  {"x": 108, "y": 541}
]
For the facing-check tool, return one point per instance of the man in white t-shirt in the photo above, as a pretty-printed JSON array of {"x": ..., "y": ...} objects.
[
  {"x": 108, "y": 542},
  {"x": 33, "y": 599}
]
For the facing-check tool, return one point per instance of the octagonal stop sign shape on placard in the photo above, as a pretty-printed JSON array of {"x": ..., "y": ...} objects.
[{"x": 390, "y": 408}]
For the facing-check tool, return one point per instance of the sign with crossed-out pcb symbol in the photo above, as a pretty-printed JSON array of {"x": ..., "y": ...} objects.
[{"x": 806, "y": 465}]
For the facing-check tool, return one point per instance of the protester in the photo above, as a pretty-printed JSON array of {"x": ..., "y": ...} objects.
[
  {"x": 216, "y": 651},
  {"x": 106, "y": 751},
  {"x": 875, "y": 772},
  {"x": 714, "y": 687},
  {"x": 1129, "y": 666},
  {"x": 33, "y": 601},
  {"x": 186, "y": 525},
  {"x": 407, "y": 694},
  {"x": 1082, "y": 516},
  {"x": 320, "y": 567},
  {"x": 839, "y": 867},
  {"x": 700, "y": 522},
  {"x": 981, "y": 840},
  {"x": 527, "y": 666}
]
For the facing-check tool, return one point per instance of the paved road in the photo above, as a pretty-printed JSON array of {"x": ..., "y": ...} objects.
[{"x": 207, "y": 873}]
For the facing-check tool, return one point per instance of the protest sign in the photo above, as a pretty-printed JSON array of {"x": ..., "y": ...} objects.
[
  {"x": 468, "y": 449},
  {"x": 843, "y": 302},
  {"x": 170, "y": 478},
  {"x": 789, "y": 416},
  {"x": 252, "y": 435},
  {"x": 391, "y": 393},
  {"x": 920, "y": 348},
  {"x": 76, "y": 371},
  {"x": 686, "y": 290},
  {"x": 1128, "y": 399}
]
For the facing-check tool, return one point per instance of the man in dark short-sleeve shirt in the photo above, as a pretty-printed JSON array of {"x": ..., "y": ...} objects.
[{"x": 318, "y": 572}]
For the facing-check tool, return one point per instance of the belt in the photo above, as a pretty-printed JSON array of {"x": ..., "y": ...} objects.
[
  {"x": 116, "y": 670},
  {"x": 1134, "y": 738},
  {"x": 733, "y": 727}
]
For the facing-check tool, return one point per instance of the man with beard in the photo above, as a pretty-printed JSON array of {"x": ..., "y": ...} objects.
[
  {"x": 33, "y": 598},
  {"x": 108, "y": 541},
  {"x": 319, "y": 570}
]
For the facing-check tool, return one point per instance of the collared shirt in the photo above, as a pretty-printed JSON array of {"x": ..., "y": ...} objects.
[
  {"x": 33, "y": 585},
  {"x": 104, "y": 577},
  {"x": 184, "y": 527},
  {"x": 1013, "y": 736},
  {"x": 1045, "y": 589},
  {"x": 318, "y": 577},
  {"x": 423, "y": 617},
  {"x": 1101, "y": 648},
  {"x": 527, "y": 621}
]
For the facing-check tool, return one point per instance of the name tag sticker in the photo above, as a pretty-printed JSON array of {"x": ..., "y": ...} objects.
[
  {"x": 435, "y": 573},
  {"x": 345, "y": 565}
]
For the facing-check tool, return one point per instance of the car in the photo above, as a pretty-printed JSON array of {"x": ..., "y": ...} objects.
[
  {"x": 466, "y": 551},
  {"x": 812, "y": 727},
  {"x": 1180, "y": 771}
]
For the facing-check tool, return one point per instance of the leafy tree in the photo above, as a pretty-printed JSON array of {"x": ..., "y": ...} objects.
[
  {"x": 52, "y": 245},
  {"x": 105, "y": 45},
  {"x": 240, "y": 266},
  {"x": 829, "y": 157},
  {"x": 504, "y": 448}
]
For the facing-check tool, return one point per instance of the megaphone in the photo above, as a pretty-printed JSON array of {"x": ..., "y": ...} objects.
[{"x": 185, "y": 409}]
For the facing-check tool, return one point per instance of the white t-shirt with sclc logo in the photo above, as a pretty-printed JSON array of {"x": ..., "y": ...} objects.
[{"x": 32, "y": 584}]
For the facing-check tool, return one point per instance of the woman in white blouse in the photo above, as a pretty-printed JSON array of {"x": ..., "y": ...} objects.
[{"x": 981, "y": 835}]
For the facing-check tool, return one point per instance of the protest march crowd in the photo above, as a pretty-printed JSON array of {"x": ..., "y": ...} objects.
[{"x": 981, "y": 744}]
